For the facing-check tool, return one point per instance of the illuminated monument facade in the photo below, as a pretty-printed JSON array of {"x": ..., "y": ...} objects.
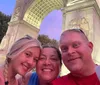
[{"x": 28, "y": 15}]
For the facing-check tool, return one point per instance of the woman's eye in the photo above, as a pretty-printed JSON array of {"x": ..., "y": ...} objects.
[
  {"x": 54, "y": 59},
  {"x": 41, "y": 58},
  {"x": 27, "y": 54}
]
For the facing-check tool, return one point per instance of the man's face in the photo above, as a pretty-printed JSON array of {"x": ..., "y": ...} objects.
[
  {"x": 76, "y": 51},
  {"x": 48, "y": 66}
]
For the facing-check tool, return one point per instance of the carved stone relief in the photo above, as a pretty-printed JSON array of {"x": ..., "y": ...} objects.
[{"x": 80, "y": 23}]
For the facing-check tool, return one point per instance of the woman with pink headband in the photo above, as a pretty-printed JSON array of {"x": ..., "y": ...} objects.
[{"x": 20, "y": 59}]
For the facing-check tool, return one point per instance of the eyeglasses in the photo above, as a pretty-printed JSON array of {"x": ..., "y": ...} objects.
[
  {"x": 77, "y": 30},
  {"x": 26, "y": 37}
]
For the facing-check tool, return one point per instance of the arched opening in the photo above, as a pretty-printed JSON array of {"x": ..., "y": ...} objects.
[{"x": 52, "y": 24}]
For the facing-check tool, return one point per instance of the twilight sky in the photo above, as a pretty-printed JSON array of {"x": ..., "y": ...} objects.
[{"x": 51, "y": 25}]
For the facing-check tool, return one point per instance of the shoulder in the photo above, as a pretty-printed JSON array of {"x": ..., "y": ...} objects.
[
  {"x": 33, "y": 79},
  {"x": 33, "y": 76},
  {"x": 98, "y": 71},
  {"x": 60, "y": 80},
  {"x": 26, "y": 78}
]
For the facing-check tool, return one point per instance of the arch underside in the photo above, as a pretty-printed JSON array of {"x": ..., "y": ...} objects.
[
  {"x": 72, "y": 2},
  {"x": 39, "y": 9}
]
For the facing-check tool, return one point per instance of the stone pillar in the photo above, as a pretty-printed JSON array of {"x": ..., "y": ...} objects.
[
  {"x": 17, "y": 28},
  {"x": 85, "y": 15},
  {"x": 15, "y": 31}
]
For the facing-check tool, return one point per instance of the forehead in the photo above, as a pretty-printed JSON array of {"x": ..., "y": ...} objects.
[
  {"x": 71, "y": 36},
  {"x": 32, "y": 49},
  {"x": 48, "y": 50}
]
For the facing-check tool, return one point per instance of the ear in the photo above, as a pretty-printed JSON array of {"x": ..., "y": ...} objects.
[{"x": 90, "y": 44}]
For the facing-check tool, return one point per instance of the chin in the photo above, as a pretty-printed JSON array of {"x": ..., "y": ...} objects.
[
  {"x": 75, "y": 69},
  {"x": 48, "y": 78},
  {"x": 22, "y": 73}
]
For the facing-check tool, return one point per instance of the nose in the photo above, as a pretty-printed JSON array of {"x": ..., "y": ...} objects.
[
  {"x": 71, "y": 50},
  {"x": 47, "y": 62}
]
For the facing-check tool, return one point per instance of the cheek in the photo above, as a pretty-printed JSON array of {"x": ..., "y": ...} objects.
[
  {"x": 85, "y": 53},
  {"x": 38, "y": 66},
  {"x": 64, "y": 57},
  {"x": 57, "y": 70},
  {"x": 34, "y": 64},
  {"x": 16, "y": 61},
  {"x": 57, "y": 67},
  {"x": 82, "y": 49}
]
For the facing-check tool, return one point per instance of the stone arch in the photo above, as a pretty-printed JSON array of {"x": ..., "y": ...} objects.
[
  {"x": 38, "y": 10},
  {"x": 27, "y": 16},
  {"x": 34, "y": 11}
]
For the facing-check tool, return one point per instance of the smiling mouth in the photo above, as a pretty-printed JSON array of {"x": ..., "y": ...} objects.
[
  {"x": 47, "y": 70},
  {"x": 25, "y": 67},
  {"x": 73, "y": 59}
]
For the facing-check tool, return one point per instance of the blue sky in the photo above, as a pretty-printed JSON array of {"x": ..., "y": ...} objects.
[{"x": 51, "y": 25}]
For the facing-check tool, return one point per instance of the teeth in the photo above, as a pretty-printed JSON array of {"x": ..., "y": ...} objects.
[
  {"x": 47, "y": 70},
  {"x": 72, "y": 59},
  {"x": 25, "y": 67}
]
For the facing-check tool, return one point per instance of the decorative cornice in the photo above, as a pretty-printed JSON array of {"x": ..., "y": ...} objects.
[
  {"x": 86, "y": 4},
  {"x": 23, "y": 22},
  {"x": 79, "y": 6},
  {"x": 97, "y": 8}
]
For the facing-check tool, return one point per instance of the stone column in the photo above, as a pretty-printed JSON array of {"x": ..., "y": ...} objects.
[
  {"x": 17, "y": 28},
  {"x": 85, "y": 15}
]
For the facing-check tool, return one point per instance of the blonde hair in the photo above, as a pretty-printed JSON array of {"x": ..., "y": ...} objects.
[
  {"x": 22, "y": 44},
  {"x": 18, "y": 47}
]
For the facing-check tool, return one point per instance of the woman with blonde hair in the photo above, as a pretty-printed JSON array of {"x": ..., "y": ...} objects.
[{"x": 20, "y": 59}]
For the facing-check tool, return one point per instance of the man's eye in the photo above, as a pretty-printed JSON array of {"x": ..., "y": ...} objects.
[
  {"x": 64, "y": 49},
  {"x": 76, "y": 45}
]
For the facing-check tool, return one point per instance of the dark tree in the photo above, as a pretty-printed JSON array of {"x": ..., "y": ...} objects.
[
  {"x": 4, "y": 19},
  {"x": 44, "y": 39}
]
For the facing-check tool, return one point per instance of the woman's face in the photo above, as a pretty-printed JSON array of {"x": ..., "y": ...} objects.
[
  {"x": 48, "y": 65},
  {"x": 25, "y": 61}
]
